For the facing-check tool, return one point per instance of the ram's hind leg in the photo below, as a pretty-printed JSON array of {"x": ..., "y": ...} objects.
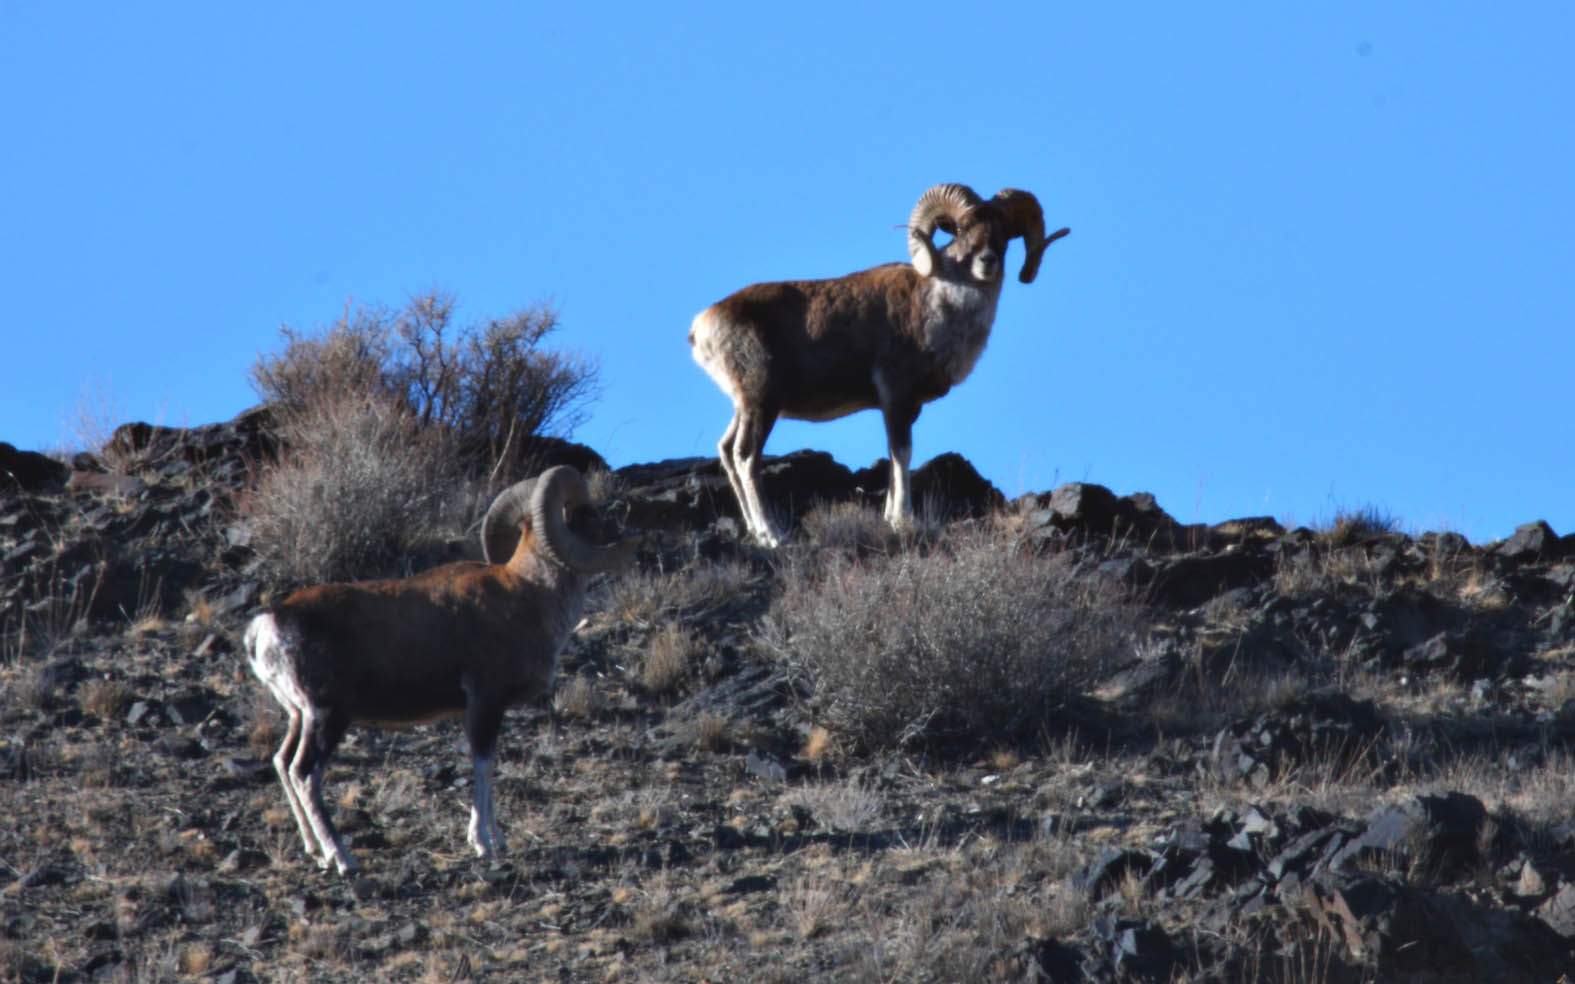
[
  {"x": 281, "y": 765},
  {"x": 724, "y": 455},
  {"x": 748, "y": 433},
  {"x": 321, "y": 730},
  {"x": 271, "y": 659}
]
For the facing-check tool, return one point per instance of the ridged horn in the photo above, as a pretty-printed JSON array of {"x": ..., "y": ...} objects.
[
  {"x": 500, "y": 528},
  {"x": 1025, "y": 220},
  {"x": 563, "y": 487},
  {"x": 940, "y": 206}
]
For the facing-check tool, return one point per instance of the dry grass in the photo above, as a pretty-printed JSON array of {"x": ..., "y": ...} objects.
[
  {"x": 578, "y": 697},
  {"x": 845, "y": 805},
  {"x": 105, "y": 696},
  {"x": 651, "y": 598},
  {"x": 667, "y": 659},
  {"x": 850, "y": 527}
]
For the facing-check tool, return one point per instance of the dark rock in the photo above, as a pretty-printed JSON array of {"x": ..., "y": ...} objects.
[
  {"x": 29, "y": 471},
  {"x": 190, "y": 709},
  {"x": 1081, "y": 504},
  {"x": 946, "y": 487},
  {"x": 539, "y": 453},
  {"x": 1465, "y": 654},
  {"x": 728, "y": 838},
  {"x": 1325, "y": 724},
  {"x": 680, "y": 493},
  {"x": 1558, "y": 912},
  {"x": 1190, "y": 581},
  {"x": 1136, "y": 949},
  {"x": 102, "y": 483},
  {"x": 1440, "y": 833},
  {"x": 1247, "y": 529},
  {"x": 1531, "y": 542},
  {"x": 180, "y": 747},
  {"x": 1055, "y": 962},
  {"x": 1112, "y": 865},
  {"x": 248, "y": 436}
]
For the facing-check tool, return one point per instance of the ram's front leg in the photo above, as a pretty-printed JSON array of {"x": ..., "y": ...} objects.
[
  {"x": 483, "y": 722},
  {"x": 899, "y": 418}
]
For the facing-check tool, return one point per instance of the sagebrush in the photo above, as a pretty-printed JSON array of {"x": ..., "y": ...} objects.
[
  {"x": 973, "y": 640},
  {"x": 361, "y": 488},
  {"x": 389, "y": 422},
  {"x": 488, "y": 386}
]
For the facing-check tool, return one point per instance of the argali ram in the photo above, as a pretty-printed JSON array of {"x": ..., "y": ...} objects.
[
  {"x": 893, "y": 337},
  {"x": 467, "y": 639}
]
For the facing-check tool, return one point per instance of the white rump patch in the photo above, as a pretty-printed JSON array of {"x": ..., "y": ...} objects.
[{"x": 707, "y": 339}]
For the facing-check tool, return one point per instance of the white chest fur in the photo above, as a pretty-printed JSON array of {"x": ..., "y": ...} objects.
[{"x": 957, "y": 320}]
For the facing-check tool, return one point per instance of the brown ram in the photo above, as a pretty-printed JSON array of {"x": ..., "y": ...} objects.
[
  {"x": 892, "y": 338},
  {"x": 466, "y": 639}
]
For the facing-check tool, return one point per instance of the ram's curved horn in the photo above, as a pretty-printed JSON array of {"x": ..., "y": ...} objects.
[
  {"x": 563, "y": 487},
  {"x": 500, "y": 528},
  {"x": 1025, "y": 220},
  {"x": 942, "y": 206}
]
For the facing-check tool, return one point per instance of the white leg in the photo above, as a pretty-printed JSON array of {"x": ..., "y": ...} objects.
[
  {"x": 759, "y": 522},
  {"x": 740, "y": 451},
  {"x": 484, "y": 836},
  {"x": 899, "y": 506},
  {"x": 309, "y": 787},
  {"x": 281, "y": 765}
]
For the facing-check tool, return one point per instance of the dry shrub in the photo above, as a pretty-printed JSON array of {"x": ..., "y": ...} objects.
[
  {"x": 380, "y": 413},
  {"x": 847, "y": 805},
  {"x": 487, "y": 386},
  {"x": 695, "y": 591},
  {"x": 850, "y": 526},
  {"x": 974, "y": 640},
  {"x": 360, "y": 488}
]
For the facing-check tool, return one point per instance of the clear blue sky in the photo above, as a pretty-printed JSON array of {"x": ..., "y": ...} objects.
[{"x": 1321, "y": 254}]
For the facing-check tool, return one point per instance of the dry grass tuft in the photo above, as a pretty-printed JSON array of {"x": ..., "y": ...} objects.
[
  {"x": 711, "y": 732},
  {"x": 846, "y": 806},
  {"x": 105, "y": 697},
  {"x": 694, "y": 592},
  {"x": 667, "y": 659},
  {"x": 849, "y": 526},
  {"x": 578, "y": 697}
]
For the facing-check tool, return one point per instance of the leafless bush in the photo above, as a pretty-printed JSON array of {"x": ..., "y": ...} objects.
[
  {"x": 850, "y": 526},
  {"x": 488, "y": 386},
  {"x": 973, "y": 640},
  {"x": 360, "y": 487},
  {"x": 380, "y": 414}
]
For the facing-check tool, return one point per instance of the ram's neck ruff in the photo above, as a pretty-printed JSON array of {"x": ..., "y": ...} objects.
[{"x": 957, "y": 320}]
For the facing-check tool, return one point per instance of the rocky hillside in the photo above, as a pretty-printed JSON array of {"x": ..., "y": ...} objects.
[{"x": 1338, "y": 754}]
